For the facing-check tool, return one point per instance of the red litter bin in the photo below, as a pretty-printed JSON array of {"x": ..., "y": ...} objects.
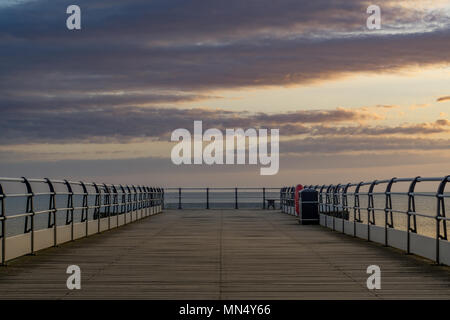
[{"x": 298, "y": 188}]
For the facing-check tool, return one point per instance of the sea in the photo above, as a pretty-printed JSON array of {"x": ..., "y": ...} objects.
[{"x": 222, "y": 199}]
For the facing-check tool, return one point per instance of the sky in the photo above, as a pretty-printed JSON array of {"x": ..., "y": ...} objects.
[{"x": 100, "y": 103}]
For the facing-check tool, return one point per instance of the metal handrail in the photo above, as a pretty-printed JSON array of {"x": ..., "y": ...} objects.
[
  {"x": 330, "y": 206},
  {"x": 106, "y": 204}
]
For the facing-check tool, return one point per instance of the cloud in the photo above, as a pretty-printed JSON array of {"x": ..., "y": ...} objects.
[
  {"x": 443, "y": 122},
  {"x": 124, "y": 124},
  {"x": 99, "y": 123},
  {"x": 82, "y": 66},
  {"x": 140, "y": 45},
  {"x": 314, "y": 116},
  {"x": 90, "y": 86},
  {"x": 361, "y": 143},
  {"x": 59, "y": 101},
  {"x": 381, "y": 106},
  {"x": 57, "y": 85},
  {"x": 442, "y": 99},
  {"x": 419, "y": 106},
  {"x": 213, "y": 20},
  {"x": 426, "y": 128}
]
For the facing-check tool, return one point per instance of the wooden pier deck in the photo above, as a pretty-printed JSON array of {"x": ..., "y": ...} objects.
[{"x": 222, "y": 254}]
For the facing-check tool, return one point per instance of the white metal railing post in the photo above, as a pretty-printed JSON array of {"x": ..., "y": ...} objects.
[
  {"x": 139, "y": 199},
  {"x": 150, "y": 199},
  {"x": 356, "y": 208},
  {"x": 70, "y": 208},
  {"x": 52, "y": 210},
  {"x": 85, "y": 206},
  {"x": 370, "y": 208},
  {"x": 388, "y": 210},
  {"x": 107, "y": 203},
  {"x": 344, "y": 206},
  {"x": 116, "y": 204},
  {"x": 134, "y": 201},
  {"x": 123, "y": 204},
  {"x": 411, "y": 211},
  {"x": 3, "y": 221},
  {"x": 129, "y": 205},
  {"x": 98, "y": 202},
  {"x": 440, "y": 215},
  {"x": 30, "y": 212},
  {"x": 141, "y": 204},
  {"x": 147, "y": 200}
]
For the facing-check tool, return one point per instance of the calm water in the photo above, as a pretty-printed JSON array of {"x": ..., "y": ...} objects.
[
  {"x": 223, "y": 200},
  {"x": 219, "y": 199}
]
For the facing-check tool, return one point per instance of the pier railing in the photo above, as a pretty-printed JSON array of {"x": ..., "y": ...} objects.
[
  {"x": 221, "y": 198},
  {"x": 287, "y": 200},
  {"x": 40, "y": 213},
  {"x": 410, "y": 219}
]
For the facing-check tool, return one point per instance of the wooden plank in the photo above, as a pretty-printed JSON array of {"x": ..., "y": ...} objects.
[{"x": 222, "y": 254}]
